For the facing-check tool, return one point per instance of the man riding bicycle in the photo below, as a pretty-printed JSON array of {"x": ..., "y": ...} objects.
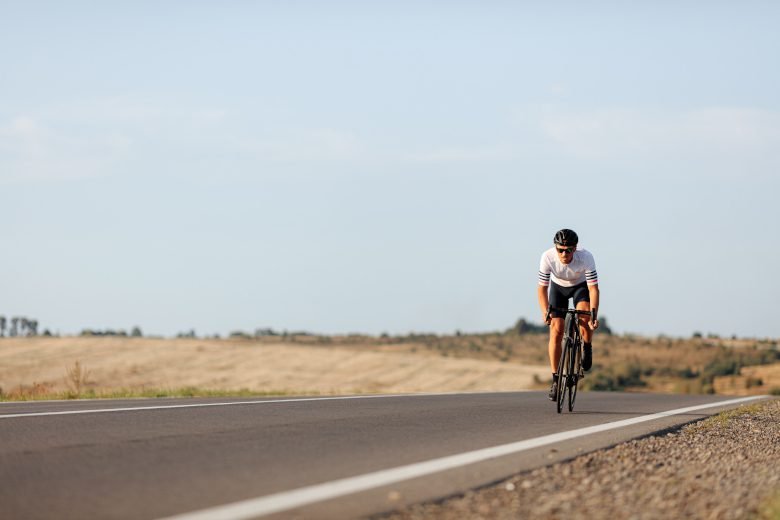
[{"x": 568, "y": 272}]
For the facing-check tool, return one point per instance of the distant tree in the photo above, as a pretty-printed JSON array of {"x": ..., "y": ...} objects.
[
  {"x": 14, "y": 326},
  {"x": 697, "y": 334},
  {"x": 265, "y": 332},
  {"x": 33, "y": 325},
  {"x": 46, "y": 332},
  {"x": 136, "y": 332},
  {"x": 603, "y": 327},
  {"x": 524, "y": 327},
  {"x": 2, "y": 326}
]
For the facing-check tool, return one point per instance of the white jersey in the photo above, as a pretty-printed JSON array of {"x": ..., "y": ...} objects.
[{"x": 582, "y": 268}]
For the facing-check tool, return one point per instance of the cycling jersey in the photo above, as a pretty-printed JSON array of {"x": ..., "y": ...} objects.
[{"x": 582, "y": 268}]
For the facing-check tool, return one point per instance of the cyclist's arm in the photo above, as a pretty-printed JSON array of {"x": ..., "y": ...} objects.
[
  {"x": 592, "y": 278},
  {"x": 544, "y": 300},
  {"x": 544, "y": 283},
  {"x": 593, "y": 291}
]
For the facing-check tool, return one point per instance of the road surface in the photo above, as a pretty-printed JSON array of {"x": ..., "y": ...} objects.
[{"x": 299, "y": 457}]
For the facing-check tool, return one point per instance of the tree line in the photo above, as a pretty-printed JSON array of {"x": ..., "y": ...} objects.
[
  {"x": 134, "y": 333},
  {"x": 22, "y": 326},
  {"x": 19, "y": 326}
]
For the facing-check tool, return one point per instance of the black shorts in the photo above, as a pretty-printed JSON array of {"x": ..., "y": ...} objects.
[{"x": 559, "y": 296}]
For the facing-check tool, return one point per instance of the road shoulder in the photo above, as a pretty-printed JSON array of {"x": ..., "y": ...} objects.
[{"x": 721, "y": 467}]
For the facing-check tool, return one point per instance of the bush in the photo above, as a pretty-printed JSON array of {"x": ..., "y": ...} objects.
[
  {"x": 721, "y": 367},
  {"x": 695, "y": 386},
  {"x": 524, "y": 327},
  {"x": 616, "y": 378}
]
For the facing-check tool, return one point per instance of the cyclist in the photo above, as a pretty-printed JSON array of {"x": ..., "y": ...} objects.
[{"x": 568, "y": 272}]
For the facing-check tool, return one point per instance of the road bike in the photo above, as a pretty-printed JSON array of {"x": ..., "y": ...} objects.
[{"x": 570, "y": 365}]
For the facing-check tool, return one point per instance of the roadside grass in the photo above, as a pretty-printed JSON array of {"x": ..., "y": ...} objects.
[
  {"x": 78, "y": 387},
  {"x": 626, "y": 362},
  {"x": 722, "y": 419},
  {"x": 623, "y": 363},
  {"x": 770, "y": 508},
  {"x": 42, "y": 392}
]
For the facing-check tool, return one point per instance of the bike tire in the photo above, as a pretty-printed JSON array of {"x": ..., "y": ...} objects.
[
  {"x": 569, "y": 327},
  {"x": 575, "y": 361},
  {"x": 563, "y": 375}
]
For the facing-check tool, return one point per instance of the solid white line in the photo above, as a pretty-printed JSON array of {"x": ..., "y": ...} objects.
[
  {"x": 203, "y": 405},
  {"x": 286, "y": 500}
]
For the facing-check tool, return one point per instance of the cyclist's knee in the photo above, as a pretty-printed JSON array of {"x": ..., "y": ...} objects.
[{"x": 556, "y": 328}]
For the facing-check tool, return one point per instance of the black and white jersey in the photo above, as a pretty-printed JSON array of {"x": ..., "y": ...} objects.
[{"x": 582, "y": 268}]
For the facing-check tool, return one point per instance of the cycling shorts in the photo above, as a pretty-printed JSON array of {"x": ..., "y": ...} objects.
[{"x": 559, "y": 296}]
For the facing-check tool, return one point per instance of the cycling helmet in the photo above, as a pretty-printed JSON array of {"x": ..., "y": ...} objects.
[{"x": 566, "y": 237}]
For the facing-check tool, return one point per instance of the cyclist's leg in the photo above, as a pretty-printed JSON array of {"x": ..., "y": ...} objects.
[
  {"x": 554, "y": 347},
  {"x": 582, "y": 303},
  {"x": 559, "y": 299},
  {"x": 585, "y": 331}
]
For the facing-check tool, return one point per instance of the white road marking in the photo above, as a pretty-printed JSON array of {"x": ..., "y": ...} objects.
[
  {"x": 226, "y": 403},
  {"x": 201, "y": 405},
  {"x": 286, "y": 500}
]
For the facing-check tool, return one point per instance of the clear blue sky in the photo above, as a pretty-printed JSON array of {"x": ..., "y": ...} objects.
[{"x": 387, "y": 166}]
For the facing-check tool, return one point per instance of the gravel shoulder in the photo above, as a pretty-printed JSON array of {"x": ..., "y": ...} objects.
[{"x": 725, "y": 467}]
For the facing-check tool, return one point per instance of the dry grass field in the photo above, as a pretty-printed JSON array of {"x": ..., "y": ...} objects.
[
  {"x": 309, "y": 364},
  {"x": 111, "y": 363}
]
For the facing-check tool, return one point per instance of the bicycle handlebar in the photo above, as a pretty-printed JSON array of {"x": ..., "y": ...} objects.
[{"x": 550, "y": 308}]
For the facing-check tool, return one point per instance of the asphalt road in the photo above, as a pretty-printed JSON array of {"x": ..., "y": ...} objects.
[{"x": 151, "y": 459}]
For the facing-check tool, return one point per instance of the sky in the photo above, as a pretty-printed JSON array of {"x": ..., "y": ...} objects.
[{"x": 387, "y": 167}]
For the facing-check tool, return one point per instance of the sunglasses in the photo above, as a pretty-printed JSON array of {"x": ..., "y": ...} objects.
[{"x": 565, "y": 250}]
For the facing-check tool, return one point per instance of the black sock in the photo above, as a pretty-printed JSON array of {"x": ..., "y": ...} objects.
[
  {"x": 588, "y": 346},
  {"x": 555, "y": 377}
]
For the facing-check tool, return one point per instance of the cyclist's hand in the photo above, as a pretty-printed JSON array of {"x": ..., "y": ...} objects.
[
  {"x": 547, "y": 319},
  {"x": 593, "y": 324}
]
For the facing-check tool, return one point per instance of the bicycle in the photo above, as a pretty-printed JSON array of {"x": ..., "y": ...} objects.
[{"x": 570, "y": 365}]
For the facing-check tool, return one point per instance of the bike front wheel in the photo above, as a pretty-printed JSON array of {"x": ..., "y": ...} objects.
[
  {"x": 563, "y": 374},
  {"x": 575, "y": 361}
]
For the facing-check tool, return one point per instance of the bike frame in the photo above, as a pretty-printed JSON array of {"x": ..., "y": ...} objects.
[{"x": 570, "y": 363}]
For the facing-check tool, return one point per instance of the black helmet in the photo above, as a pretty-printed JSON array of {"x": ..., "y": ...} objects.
[{"x": 566, "y": 237}]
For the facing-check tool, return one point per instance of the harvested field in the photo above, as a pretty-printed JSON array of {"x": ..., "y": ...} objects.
[
  {"x": 136, "y": 363},
  {"x": 311, "y": 364}
]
